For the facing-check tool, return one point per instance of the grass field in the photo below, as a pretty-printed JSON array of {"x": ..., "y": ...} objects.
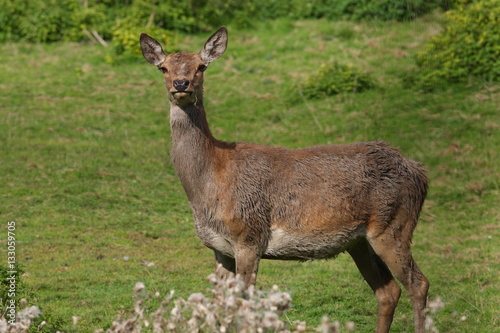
[{"x": 85, "y": 171}]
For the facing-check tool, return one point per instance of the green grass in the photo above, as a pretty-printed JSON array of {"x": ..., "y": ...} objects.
[{"x": 86, "y": 175}]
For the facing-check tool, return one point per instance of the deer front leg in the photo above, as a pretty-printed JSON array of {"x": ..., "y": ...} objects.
[
  {"x": 247, "y": 263},
  {"x": 224, "y": 266}
]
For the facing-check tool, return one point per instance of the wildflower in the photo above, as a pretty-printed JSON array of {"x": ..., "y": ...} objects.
[
  {"x": 210, "y": 319},
  {"x": 436, "y": 305},
  {"x": 193, "y": 324},
  {"x": 280, "y": 301},
  {"x": 429, "y": 325},
  {"x": 139, "y": 287},
  {"x": 196, "y": 298},
  {"x": 212, "y": 278},
  {"x": 271, "y": 320},
  {"x": 42, "y": 324},
  {"x": 300, "y": 326},
  {"x": 231, "y": 302},
  {"x": 328, "y": 327},
  {"x": 175, "y": 311},
  {"x": 350, "y": 326},
  {"x": 30, "y": 313},
  {"x": 23, "y": 303}
]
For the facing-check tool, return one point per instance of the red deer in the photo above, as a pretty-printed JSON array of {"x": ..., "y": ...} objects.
[{"x": 253, "y": 202}]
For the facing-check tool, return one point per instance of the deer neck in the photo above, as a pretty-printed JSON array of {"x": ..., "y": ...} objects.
[{"x": 192, "y": 148}]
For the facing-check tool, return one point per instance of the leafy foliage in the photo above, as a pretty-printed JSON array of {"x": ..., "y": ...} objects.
[
  {"x": 347, "y": 9},
  {"x": 335, "y": 79},
  {"x": 71, "y": 20},
  {"x": 469, "y": 45},
  {"x": 126, "y": 43},
  {"x": 400, "y": 10},
  {"x": 34, "y": 21}
]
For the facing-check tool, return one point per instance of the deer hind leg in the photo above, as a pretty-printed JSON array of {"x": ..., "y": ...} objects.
[
  {"x": 394, "y": 250},
  {"x": 379, "y": 278}
]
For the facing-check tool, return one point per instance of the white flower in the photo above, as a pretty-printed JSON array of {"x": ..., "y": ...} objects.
[
  {"x": 42, "y": 324},
  {"x": 300, "y": 326},
  {"x": 30, "y": 313},
  {"x": 139, "y": 287},
  {"x": 429, "y": 325},
  {"x": 328, "y": 327},
  {"x": 175, "y": 311},
  {"x": 231, "y": 302},
  {"x": 436, "y": 304},
  {"x": 271, "y": 320},
  {"x": 196, "y": 298}
]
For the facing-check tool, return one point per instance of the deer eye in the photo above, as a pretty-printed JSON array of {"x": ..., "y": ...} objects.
[
  {"x": 202, "y": 68},
  {"x": 163, "y": 70}
]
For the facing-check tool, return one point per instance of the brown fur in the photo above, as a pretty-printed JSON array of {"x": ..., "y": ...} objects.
[{"x": 251, "y": 201}]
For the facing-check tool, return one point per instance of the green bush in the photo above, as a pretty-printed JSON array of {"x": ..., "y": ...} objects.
[
  {"x": 125, "y": 42},
  {"x": 87, "y": 19},
  {"x": 469, "y": 45},
  {"x": 335, "y": 79},
  {"x": 35, "y": 21}
]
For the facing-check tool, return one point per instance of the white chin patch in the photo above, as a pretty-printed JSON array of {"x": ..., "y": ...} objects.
[{"x": 181, "y": 95}]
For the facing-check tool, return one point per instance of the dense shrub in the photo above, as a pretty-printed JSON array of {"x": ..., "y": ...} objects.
[
  {"x": 35, "y": 21},
  {"x": 335, "y": 79},
  {"x": 468, "y": 45}
]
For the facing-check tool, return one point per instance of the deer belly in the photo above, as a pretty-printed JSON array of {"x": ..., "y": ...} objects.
[{"x": 286, "y": 245}]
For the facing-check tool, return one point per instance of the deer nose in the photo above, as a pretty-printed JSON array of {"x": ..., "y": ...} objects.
[{"x": 181, "y": 85}]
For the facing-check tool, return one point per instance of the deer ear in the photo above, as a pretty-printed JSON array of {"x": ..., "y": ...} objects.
[
  {"x": 215, "y": 46},
  {"x": 151, "y": 50}
]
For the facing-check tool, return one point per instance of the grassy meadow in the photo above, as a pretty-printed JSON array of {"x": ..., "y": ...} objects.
[{"x": 85, "y": 171}]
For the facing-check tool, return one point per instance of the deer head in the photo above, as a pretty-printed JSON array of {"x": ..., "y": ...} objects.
[{"x": 183, "y": 72}]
